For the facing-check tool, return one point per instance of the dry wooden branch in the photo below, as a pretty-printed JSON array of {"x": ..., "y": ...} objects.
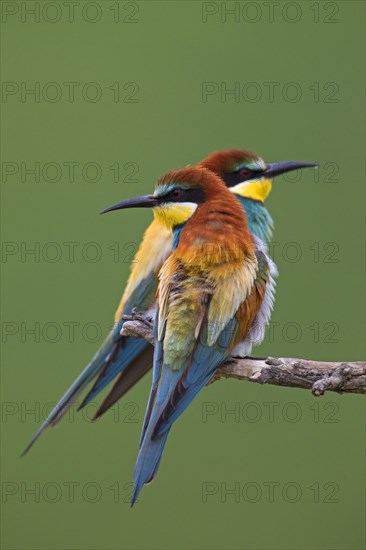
[{"x": 318, "y": 376}]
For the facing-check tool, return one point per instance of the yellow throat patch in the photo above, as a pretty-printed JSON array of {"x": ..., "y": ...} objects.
[
  {"x": 171, "y": 214},
  {"x": 255, "y": 189}
]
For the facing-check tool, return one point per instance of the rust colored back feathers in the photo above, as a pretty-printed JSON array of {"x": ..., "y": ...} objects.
[{"x": 220, "y": 221}]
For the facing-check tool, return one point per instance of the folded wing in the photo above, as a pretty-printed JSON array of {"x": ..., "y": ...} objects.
[{"x": 187, "y": 355}]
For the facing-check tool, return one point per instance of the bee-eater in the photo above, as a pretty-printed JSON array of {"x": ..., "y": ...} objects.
[
  {"x": 215, "y": 288},
  {"x": 128, "y": 359}
]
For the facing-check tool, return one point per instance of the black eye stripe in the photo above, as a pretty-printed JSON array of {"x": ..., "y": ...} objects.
[
  {"x": 244, "y": 174},
  {"x": 186, "y": 195}
]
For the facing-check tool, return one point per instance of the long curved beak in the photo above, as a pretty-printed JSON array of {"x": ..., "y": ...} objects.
[
  {"x": 137, "y": 202},
  {"x": 278, "y": 168}
]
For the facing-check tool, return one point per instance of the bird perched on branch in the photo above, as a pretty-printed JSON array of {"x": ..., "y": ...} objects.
[
  {"x": 128, "y": 359},
  {"x": 215, "y": 295}
]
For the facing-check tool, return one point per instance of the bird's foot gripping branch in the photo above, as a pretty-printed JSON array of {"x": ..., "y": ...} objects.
[{"x": 317, "y": 376}]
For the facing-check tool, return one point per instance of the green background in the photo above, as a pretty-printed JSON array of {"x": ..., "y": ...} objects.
[{"x": 169, "y": 52}]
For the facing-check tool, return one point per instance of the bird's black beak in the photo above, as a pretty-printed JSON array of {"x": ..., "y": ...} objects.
[
  {"x": 137, "y": 202},
  {"x": 278, "y": 168}
]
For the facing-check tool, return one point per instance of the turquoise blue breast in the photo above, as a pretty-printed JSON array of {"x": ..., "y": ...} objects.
[{"x": 259, "y": 221}]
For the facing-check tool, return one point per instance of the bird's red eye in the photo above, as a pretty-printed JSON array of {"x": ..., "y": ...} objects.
[
  {"x": 245, "y": 173},
  {"x": 176, "y": 193}
]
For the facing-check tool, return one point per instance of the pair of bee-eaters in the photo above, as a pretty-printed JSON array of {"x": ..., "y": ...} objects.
[{"x": 204, "y": 272}]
